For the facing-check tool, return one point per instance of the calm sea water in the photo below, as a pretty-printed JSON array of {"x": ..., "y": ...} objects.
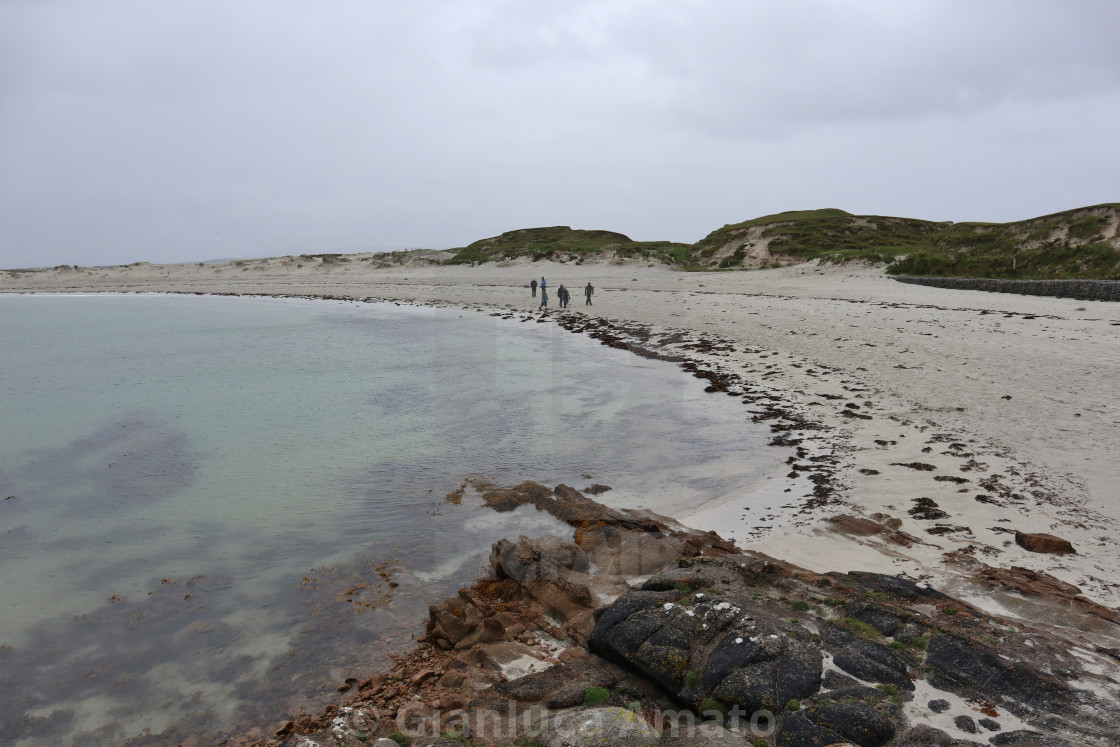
[{"x": 213, "y": 510}]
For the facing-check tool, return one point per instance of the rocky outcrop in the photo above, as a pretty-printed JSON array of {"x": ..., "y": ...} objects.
[
  {"x": 560, "y": 646},
  {"x": 1060, "y": 598},
  {"x": 723, "y": 633},
  {"x": 976, "y": 669},
  {"x": 590, "y": 517}
]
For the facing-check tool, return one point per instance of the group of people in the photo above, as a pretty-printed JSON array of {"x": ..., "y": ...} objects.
[{"x": 562, "y": 294}]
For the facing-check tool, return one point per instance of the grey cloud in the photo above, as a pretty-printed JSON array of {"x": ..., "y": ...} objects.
[{"x": 175, "y": 131}]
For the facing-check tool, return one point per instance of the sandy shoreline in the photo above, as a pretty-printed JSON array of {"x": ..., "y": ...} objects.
[{"x": 1006, "y": 398}]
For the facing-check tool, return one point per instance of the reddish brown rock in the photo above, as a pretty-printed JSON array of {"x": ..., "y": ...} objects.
[
  {"x": 1044, "y": 543},
  {"x": 857, "y": 526}
]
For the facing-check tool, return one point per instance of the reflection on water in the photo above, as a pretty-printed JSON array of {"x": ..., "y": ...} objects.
[{"x": 214, "y": 510}]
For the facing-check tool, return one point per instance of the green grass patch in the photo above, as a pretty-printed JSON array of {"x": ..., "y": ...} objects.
[
  {"x": 692, "y": 679},
  {"x": 593, "y": 696},
  {"x": 711, "y": 705},
  {"x": 859, "y": 627}
]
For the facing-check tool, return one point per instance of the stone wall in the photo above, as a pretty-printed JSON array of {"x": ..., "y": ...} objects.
[{"x": 1093, "y": 290}]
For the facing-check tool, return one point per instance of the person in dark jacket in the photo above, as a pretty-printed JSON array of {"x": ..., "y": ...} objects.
[
  {"x": 533, "y": 286},
  {"x": 587, "y": 291}
]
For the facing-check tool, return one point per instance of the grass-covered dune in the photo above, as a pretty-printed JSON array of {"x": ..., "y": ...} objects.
[
  {"x": 789, "y": 238},
  {"x": 562, "y": 243},
  {"x": 1079, "y": 243}
]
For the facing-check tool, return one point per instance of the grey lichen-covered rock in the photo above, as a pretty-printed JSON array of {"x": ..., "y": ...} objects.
[
  {"x": 856, "y": 722},
  {"x": 696, "y": 632},
  {"x": 908, "y": 634},
  {"x": 750, "y": 687},
  {"x": 1024, "y": 738},
  {"x": 866, "y": 659},
  {"x": 878, "y": 616},
  {"x": 707, "y": 735},
  {"x": 799, "y": 731},
  {"x": 600, "y": 727},
  {"x": 970, "y": 668},
  {"x": 927, "y": 736},
  {"x": 562, "y": 685}
]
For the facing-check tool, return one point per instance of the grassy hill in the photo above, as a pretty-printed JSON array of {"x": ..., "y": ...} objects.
[
  {"x": 793, "y": 237},
  {"x": 1079, "y": 243},
  {"x": 566, "y": 245}
]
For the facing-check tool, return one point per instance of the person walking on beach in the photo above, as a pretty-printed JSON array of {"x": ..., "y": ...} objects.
[
  {"x": 562, "y": 295},
  {"x": 544, "y": 297},
  {"x": 533, "y": 286},
  {"x": 587, "y": 292}
]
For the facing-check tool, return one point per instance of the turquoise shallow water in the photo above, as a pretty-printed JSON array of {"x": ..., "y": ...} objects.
[{"x": 205, "y": 500}]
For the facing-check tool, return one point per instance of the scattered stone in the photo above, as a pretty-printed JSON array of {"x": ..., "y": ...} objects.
[
  {"x": 966, "y": 724},
  {"x": 989, "y": 724},
  {"x": 938, "y": 706}
]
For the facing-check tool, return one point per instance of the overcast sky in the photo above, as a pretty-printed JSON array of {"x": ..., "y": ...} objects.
[{"x": 164, "y": 130}]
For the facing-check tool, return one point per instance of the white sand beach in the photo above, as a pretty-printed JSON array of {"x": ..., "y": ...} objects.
[{"x": 1008, "y": 398}]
